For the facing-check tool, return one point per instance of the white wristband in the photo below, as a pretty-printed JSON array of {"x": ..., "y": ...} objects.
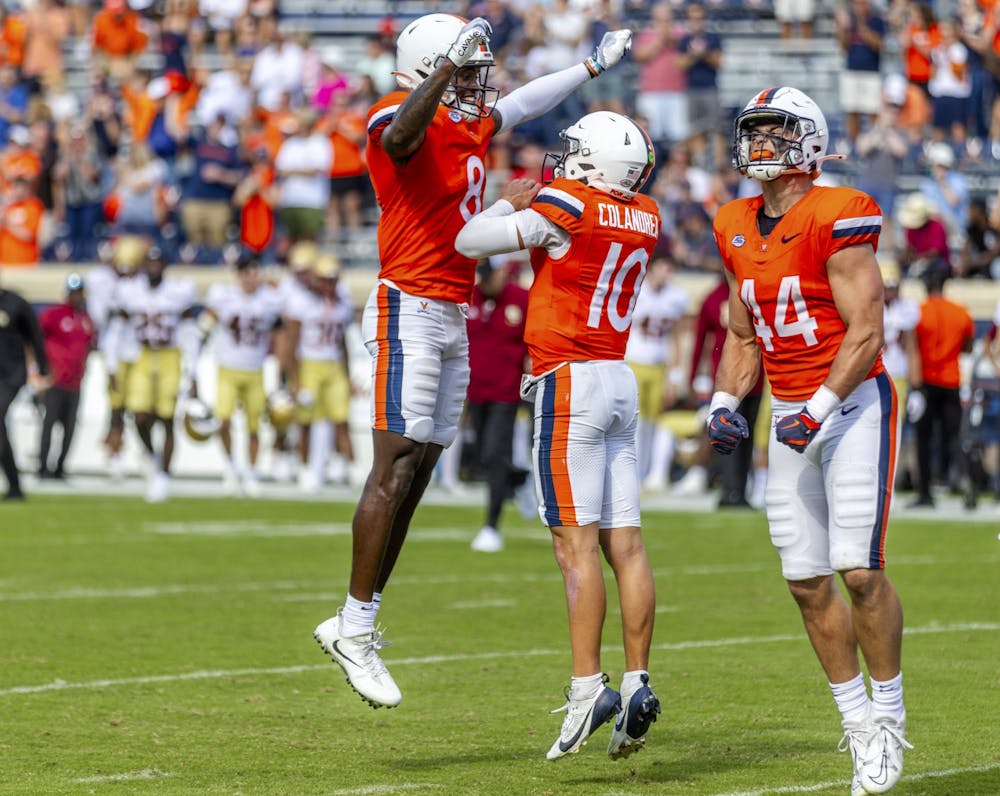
[
  {"x": 823, "y": 403},
  {"x": 723, "y": 400}
]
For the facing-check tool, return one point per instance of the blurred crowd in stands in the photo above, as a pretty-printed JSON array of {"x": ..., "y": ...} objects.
[{"x": 215, "y": 127}]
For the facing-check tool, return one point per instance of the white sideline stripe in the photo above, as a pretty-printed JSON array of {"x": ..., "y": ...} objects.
[
  {"x": 946, "y": 772},
  {"x": 146, "y": 773},
  {"x": 214, "y": 674},
  {"x": 377, "y": 789}
]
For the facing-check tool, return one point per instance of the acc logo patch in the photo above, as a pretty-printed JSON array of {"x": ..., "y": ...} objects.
[
  {"x": 738, "y": 241},
  {"x": 455, "y": 116}
]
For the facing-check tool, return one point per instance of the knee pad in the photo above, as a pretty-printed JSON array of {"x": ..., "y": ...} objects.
[{"x": 420, "y": 429}]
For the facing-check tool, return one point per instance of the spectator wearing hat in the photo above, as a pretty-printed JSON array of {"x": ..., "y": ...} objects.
[
  {"x": 925, "y": 237},
  {"x": 498, "y": 357},
  {"x": 18, "y": 158},
  {"x": 947, "y": 189},
  {"x": 20, "y": 224},
  {"x": 118, "y": 38},
  {"x": 69, "y": 336},
  {"x": 944, "y": 332},
  {"x": 79, "y": 192}
]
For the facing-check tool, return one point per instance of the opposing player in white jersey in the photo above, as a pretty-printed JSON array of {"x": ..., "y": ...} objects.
[
  {"x": 654, "y": 354},
  {"x": 126, "y": 257},
  {"x": 316, "y": 322},
  {"x": 591, "y": 235},
  {"x": 245, "y": 316},
  {"x": 153, "y": 308}
]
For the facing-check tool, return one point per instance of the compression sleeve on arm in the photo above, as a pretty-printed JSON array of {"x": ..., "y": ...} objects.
[
  {"x": 499, "y": 229},
  {"x": 540, "y": 95}
]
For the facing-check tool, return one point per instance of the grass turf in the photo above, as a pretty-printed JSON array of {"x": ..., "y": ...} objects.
[{"x": 169, "y": 650}]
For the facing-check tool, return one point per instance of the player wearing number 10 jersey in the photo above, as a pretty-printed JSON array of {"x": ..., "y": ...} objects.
[
  {"x": 806, "y": 294},
  {"x": 591, "y": 236},
  {"x": 427, "y": 159}
]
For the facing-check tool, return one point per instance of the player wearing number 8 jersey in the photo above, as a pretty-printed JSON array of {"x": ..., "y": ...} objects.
[
  {"x": 426, "y": 155},
  {"x": 806, "y": 295},
  {"x": 591, "y": 237}
]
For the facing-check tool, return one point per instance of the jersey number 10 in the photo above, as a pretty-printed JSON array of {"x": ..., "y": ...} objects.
[
  {"x": 612, "y": 277},
  {"x": 789, "y": 294}
]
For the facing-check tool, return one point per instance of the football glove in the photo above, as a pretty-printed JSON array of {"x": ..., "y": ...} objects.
[
  {"x": 473, "y": 34},
  {"x": 726, "y": 429},
  {"x": 916, "y": 405},
  {"x": 614, "y": 44},
  {"x": 797, "y": 430}
]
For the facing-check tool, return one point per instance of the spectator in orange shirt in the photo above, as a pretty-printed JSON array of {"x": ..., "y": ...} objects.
[
  {"x": 18, "y": 158},
  {"x": 945, "y": 330},
  {"x": 918, "y": 38},
  {"x": 118, "y": 37},
  {"x": 12, "y": 33},
  {"x": 20, "y": 222},
  {"x": 47, "y": 25},
  {"x": 349, "y": 175}
]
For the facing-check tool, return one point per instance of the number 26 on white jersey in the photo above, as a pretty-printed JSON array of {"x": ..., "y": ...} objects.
[{"x": 789, "y": 295}]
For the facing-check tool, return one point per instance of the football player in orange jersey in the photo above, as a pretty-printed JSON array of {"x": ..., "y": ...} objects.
[
  {"x": 591, "y": 236},
  {"x": 806, "y": 294},
  {"x": 426, "y": 156}
]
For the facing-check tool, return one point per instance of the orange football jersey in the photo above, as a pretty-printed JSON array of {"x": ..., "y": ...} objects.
[
  {"x": 783, "y": 282},
  {"x": 427, "y": 200},
  {"x": 580, "y": 306}
]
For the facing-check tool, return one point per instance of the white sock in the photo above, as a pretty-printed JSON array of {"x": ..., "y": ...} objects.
[
  {"x": 586, "y": 687},
  {"x": 662, "y": 454},
  {"x": 887, "y": 697},
  {"x": 357, "y": 618},
  {"x": 632, "y": 682},
  {"x": 377, "y": 601},
  {"x": 852, "y": 699}
]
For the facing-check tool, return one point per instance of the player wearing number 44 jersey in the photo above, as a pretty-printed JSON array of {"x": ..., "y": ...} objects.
[
  {"x": 806, "y": 295},
  {"x": 426, "y": 154},
  {"x": 591, "y": 236}
]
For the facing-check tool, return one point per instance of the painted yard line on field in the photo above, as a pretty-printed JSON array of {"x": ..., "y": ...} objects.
[
  {"x": 945, "y": 772},
  {"x": 378, "y": 789},
  {"x": 62, "y": 685},
  {"x": 128, "y": 776}
]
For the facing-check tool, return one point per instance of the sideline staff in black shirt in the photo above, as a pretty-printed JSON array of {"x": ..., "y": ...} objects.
[{"x": 18, "y": 328}]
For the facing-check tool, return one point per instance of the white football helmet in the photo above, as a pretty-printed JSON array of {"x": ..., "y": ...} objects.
[
  {"x": 419, "y": 50},
  {"x": 607, "y": 150},
  {"x": 199, "y": 421},
  {"x": 798, "y": 144}
]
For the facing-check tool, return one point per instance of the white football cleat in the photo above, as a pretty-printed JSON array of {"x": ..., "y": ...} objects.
[
  {"x": 693, "y": 482},
  {"x": 488, "y": 540},
  {"x": 883, "y": 761},
  {"x": 158, "y": 487},
  {"x": 231, "y": 483},
  {"x": 308, "y": 482},
  {"x": 251, "y": 485},
  {"x": 855, "y": 740},
  {"x": 632, "y": 723},
  {"x": 583, "y": 717},
  {"x": 358, "y": 657}
]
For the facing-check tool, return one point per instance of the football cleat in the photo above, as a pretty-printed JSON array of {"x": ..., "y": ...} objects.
[
  {"x": 358, "y": 657},
  {"x": 488, "y": 540},
  {"x": 583, "y": 717},
  {"x": 631, "y": 724},
  {"x": 855, "y": 740},
  {"x": 883, "y": 760}
]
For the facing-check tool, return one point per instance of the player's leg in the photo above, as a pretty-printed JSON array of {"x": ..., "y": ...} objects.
[
  {"x": 70, "y": 408},
  {"x": 139, "y": 398},
  {"x": 225, "y": 405},
  {"x": 860, "y": 469},
  {"x": 7, "y": 462}
]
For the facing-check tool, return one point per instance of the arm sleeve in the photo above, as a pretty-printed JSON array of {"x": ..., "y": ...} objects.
[
  {"x": 540, "y": 95},
  {"x": 496, "y": 230}
]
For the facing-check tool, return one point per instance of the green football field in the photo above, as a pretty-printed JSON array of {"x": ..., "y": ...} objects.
[{"x": 169, "y": 650}]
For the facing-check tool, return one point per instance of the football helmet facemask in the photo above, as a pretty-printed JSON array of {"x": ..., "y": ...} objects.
[
  {"x": 796, "y": 141},
  {"x": 200, "y": 423},
  {"x": 606, "y": 150},
  {"x": 420, "y": 49}
]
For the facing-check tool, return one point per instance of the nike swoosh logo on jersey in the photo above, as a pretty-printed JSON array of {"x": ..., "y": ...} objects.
[
  {"x": 789, "y": 238},
  {"x": 848, "y": 409}
]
